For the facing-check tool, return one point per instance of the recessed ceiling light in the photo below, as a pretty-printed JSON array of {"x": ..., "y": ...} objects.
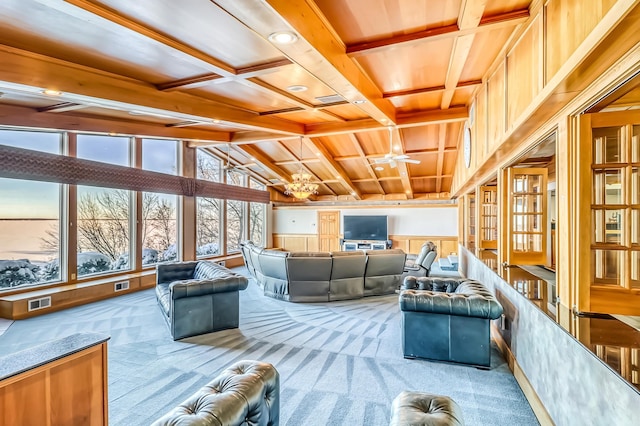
[
  {"x": 297, "y": 88},
  {"x": 353, "y": 193},
  {"x": 318, "y": 154},
  {"x": 359, "y": 101},
  {"x": 379, "y": 168},
  {"x": 338, "y": 177},
  {"x": 216, "y": 121},
  {"x": 51, "y": 92},
  {"x": 404, "y": 173},
  {"x": 283, "y": 37}
]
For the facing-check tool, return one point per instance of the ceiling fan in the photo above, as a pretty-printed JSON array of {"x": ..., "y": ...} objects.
[
  {"x": 240, "y": 168},
  {"x": 393, "y": 159}
]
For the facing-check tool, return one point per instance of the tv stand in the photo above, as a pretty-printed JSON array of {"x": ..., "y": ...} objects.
[{"x": 363, "y": 245}]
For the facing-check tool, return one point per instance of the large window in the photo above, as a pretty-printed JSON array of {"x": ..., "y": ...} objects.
[
  {"x": 159, "y": 211},
  {"x": 104, "y": 214},
  {"x": 257, "y": 212},
  {"x": 236, "y": 211},
  {"x": 30, "y": 219},
  {"x": 208, "y": 210}
]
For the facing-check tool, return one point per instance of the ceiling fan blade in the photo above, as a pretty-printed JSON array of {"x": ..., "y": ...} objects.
[
  {"x": 393, "y": 164},
  {"x": 245, "y": 166},
  {"x": 381, "y": 160},
  {"x": 409, "y": 160},
  {"x": 400, "y": 157}
]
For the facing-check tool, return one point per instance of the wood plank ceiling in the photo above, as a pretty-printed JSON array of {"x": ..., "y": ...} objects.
[{"x": 207, "y": 72}]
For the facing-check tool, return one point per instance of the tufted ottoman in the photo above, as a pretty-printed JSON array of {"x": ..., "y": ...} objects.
[
  {"x": 424, "y": 409},
  {"x": 246, "y": 393}
]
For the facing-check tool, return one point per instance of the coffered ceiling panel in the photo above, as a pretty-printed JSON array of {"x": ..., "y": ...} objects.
[{"x": 212, "y": 73}]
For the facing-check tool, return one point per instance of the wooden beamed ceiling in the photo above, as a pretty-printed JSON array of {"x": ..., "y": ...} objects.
[{"x": 208, "y": 72}]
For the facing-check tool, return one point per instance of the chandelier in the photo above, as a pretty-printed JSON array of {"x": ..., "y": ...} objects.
[{"x": 301, "y": 186}]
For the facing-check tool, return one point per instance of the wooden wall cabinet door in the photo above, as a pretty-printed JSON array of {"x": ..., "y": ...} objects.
[
  {"x": 487, "y": 201},
  {"x": 608, "y": 238},
  {"x": 526, "y": 204}
]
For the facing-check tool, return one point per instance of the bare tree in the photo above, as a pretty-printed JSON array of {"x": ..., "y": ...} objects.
[
  {"x": 103, "y": 223},
  {"x": 159, "y": 224}
]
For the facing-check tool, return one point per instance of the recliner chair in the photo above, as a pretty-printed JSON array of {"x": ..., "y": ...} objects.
[{"x": 420, "y": 265}]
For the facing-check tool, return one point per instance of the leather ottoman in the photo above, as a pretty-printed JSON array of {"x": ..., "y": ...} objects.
[{"x": 424, "y": 409}]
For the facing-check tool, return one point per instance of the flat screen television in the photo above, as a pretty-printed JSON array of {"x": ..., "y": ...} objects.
[{"x": 365, "y": 228}]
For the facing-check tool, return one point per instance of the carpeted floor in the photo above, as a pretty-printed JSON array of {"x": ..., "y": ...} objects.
[{"x": 340, "y": 363}]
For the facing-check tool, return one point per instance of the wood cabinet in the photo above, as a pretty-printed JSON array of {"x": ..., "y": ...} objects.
[{"x": 59, "y": 383}]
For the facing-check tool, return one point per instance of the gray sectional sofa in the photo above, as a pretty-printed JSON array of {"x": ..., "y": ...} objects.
[{"x": 324, "y": 276}]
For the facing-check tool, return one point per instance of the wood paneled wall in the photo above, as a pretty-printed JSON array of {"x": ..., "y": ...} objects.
[{"x": 540, "y": 70}]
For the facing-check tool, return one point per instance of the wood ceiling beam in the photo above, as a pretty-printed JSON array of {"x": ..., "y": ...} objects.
[
  {"x": 381, "y": 179},
  {"x": 85, "y": 85},
  {"x": 356, "y": 143},
  {"x": 62, "y": 107},
  {"x": 189, "y": 82},
  {"x": 488, "y": 23},
  {"x": 28, "y": 117},
  {"x": 433, "y": 89},
  {"x": 403, "y": 170},
  {"x": 428, "y": 151},
  {"x": 469, "y": 18},
  {"x": 217, "y": 66},
  {"x": 276, "y": 92},
  {"x": 442, "y": 135},
  {"x": 438, "y": 116},
  {"x": 302, "y": 164},
  {"x": 294, "y": 162},
  {"x": 246, "y": 76},
  {"x": 266, "y": 163},
  {"x": 333, "y": 165},
  {"x": 403, "y": 120},
  {"x": 318, "y": 50}
]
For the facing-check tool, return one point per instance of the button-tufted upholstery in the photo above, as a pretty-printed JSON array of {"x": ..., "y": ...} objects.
[
  {"x": 449, "y": 296},
  {"x": 424, "y": 409},
  {"x": 447, "y": 319},
  {"x": 246, "y": 393},
  {"x": 198, "y": 297}
]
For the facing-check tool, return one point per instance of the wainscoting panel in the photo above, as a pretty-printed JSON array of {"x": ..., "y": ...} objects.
[{"x": 408, "y": 243}]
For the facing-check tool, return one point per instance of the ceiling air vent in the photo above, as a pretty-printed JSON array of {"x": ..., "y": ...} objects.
[{"x": 331, "y": 99}]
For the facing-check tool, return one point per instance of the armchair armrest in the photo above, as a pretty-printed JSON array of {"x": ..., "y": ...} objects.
[{"x": 192, "y": 288}]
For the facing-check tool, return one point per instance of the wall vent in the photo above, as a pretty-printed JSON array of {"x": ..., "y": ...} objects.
[
  {"x": 121, "y": 286},
  {"x": 41, "y": 303}
]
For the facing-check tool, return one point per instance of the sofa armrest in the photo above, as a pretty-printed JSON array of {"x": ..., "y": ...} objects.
[
  {"x": 192, "y": 288},
  {"x": 461, "y": 304}
]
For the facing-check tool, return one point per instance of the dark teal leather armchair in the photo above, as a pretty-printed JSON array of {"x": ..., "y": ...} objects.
[
  {"x": 447, "y": 319},
  {"x": 198, "y": 297}
]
